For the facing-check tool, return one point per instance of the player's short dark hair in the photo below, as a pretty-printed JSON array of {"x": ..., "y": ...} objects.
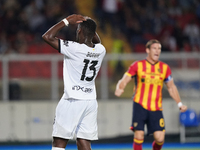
[
  {"x": 89, "y": 27},
  {"x": 149, "y": 43}
]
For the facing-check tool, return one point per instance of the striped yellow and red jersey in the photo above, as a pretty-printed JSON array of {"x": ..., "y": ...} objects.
[{"x": 149, "y": 83}]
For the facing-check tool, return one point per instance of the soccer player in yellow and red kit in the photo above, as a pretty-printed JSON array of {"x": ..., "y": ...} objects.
[{"x": 150, "y": 74}]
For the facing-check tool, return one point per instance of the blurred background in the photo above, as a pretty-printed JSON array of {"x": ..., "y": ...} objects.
[{"x": 31, "y": 71}]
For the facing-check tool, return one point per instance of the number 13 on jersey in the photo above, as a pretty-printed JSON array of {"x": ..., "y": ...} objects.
[{"x": 91, "y": 65}]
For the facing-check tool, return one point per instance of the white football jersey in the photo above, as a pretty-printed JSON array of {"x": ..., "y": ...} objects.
[{"x": 80, "y": 68}]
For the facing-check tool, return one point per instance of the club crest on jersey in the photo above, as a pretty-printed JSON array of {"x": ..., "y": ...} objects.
[{"x": 66, "y": 43}]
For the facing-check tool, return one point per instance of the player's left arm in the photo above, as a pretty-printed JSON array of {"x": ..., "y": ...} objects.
[
  {"x": 173, "y": 91},
  {"x": 50, "y": 35}
]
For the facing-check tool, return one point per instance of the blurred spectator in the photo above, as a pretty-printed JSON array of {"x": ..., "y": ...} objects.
[
  {"x": 168, "y": 42},
  {"x": 21, "y": 42},
  {"x": 107, "y": 11},
  {"x": 11, "y": 4},
  {"x": 179, "y": 36},
  {"x": 135, "y": 31},
  {"x": 192, "y": 30},
  {"x": 174, "y": 10},
  {"x": 198, "y": 9},
  {"x": 146, "y": 19},
  {"x": 10, "y": 23},
  {"x": 186, "y": 4},
  {"x": 35, "y": 18},
  {"x": 39, "y": 4},
  {"x": 158, "y": 22},
  {"x": 3, "y": 43},
  {"x": 117, "y": 65}
]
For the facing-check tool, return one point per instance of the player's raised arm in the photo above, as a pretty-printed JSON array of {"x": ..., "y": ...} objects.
[
  {"x": 173, "y": 91},
  {"x": 122, "y": 84},
  {"x": 50, "y": 35}
]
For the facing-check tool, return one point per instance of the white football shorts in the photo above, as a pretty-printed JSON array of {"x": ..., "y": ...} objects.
[{"x": 76, "y": 119}]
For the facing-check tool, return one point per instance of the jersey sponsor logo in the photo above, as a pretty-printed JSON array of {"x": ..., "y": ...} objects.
[
  {"x": 83, "y": 89},
  {"x": 151, "y": 81},
  {"x": 153, "y": 74},
  {"x": 95, "y": 55}
]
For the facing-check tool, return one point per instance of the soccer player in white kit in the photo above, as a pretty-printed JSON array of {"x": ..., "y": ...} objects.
[{"x": 76, "y": 112}]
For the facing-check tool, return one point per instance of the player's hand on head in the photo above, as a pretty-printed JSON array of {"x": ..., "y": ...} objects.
[
  {"x": 74, "y": 19},
  {"x": 183, "y": 108}
]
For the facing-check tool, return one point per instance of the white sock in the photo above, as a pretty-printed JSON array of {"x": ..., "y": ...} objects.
[{"x": 57, "y": 148}]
